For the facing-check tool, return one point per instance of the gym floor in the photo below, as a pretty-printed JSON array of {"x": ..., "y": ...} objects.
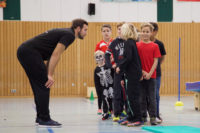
[{"x": 79, "y": 115}]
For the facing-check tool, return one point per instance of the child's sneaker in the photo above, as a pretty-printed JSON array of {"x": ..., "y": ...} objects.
[
  {"x": 144, "y": 120},
  {"x": 110, "y": 114},
  {"x": 122, "y": 120},
  {"x": 116, "y": 119},
  {"x": 123, "y": 114},
  {"x": 125, "y": 122},
  {"x": 99, "y": 112},
  {"x": 159, "y": 120},
  {"x": 105, "y": 116},
  {"x": 134, "y": 124},
  {"x": 153, "y": 121},
  {"x": 50, "y": 123}
]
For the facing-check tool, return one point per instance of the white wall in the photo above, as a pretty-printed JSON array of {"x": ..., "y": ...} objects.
[
  {"x": 186, "y": 11},
  {"x": 66, "y": 10},
  {"x": 1, "y": 14}
]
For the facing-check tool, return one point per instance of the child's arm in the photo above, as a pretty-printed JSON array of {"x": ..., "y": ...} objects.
[
  {"x": 162, "y": 59},
  {"x": 127, "y": 56},
  {"x": 107, "y": 58},
  {"x": 147, "y": 76},
  {"x": 97, "y": 80}
]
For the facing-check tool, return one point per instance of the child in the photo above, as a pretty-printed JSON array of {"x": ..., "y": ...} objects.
[
  {"x": 103, "y": 82},
  {"x": 117, "y": 49},
  {"x": 106, "y": 33},
  {"x": 149, "y": 54},
  {"x": 130, "y": 64},
  {"x": 158, "y": 69},
  {"x": 103, "y": 45}
]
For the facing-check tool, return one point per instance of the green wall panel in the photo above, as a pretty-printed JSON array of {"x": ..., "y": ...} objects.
[
  {"x": 12, "y": 10},
  {"x": 165, "y": 10}
]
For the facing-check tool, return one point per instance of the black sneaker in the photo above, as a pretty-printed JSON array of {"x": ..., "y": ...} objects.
[
  {"x": 50, "y": 123},
  {"x": 105, "y": 116},
  {"x": 37, "y": 121}
]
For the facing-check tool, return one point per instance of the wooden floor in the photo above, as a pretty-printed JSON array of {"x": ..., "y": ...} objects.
[{"x": 78, "y": 115}]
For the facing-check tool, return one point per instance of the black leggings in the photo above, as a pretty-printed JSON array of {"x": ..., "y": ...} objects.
[
  {"x": 34, "y": 66},
  {"x": 100, "y": 96},
  {"x": 133, "y": 94},
  {"x": 118, "y": 100}
]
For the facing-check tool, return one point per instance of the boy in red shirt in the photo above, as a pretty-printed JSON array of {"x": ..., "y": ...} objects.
[
  {"x": 149, "y": 53},
  {"x": 106, "y": 33}
]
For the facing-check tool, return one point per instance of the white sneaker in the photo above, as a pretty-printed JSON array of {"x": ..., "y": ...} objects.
[{"x": 159, "y": 120}]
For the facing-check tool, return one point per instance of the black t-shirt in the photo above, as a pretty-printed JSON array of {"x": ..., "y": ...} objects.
[
  {"x": 46, "y": 42},
  {"x": 117, "y": 49},
  {"x": 131, "y": 63},
  {"x": 162, "y": 52}
]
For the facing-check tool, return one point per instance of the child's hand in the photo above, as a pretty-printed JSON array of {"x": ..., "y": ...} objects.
[
  {"x": 114, "y": 66},
  {"x": 122, "y": 83},
  {"x": 147, "y": 76},
  {"x": 117, "y": 70},
  {"x": 144, "y": 73},
  {"x": 111, "y": 59},
  {"x": 141, "y": 78}
]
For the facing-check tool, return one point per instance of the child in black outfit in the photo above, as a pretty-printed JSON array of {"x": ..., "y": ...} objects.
[
  {"x": 116, "y": 48},
  {"x": 103, "y": 83},
  {"x": 132, "y": 67}
]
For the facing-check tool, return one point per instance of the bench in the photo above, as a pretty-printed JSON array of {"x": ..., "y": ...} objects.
[
  {"x": 195, "y": 87},
  {"x": 90, "y": 90}
]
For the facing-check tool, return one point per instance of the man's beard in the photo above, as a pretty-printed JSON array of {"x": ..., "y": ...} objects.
[{"x": 79, "y": 36}]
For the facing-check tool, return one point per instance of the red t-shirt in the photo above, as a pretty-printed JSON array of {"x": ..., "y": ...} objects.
[
  {"x": 102, "y": 45},
  {"x": 147, "y": 53}
]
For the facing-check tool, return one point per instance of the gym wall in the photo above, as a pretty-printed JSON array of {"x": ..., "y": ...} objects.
[{"x": 74, "y": 72}]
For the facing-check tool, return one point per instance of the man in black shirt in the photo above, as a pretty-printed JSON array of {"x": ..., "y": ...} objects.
[
  {"x": 158, "y": 69},
  {"x": 47, "y": 46}
]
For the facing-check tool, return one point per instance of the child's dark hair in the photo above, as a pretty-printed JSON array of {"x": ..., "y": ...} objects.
[
  {"x": 155, "y": 26},
  {"x": 78, "y": 22},
  {"x": 120, "y": 24},
  {"x": 106, "y": 26}
]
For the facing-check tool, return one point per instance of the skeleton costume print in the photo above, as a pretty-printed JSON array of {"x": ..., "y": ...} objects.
[
  {"x": 106, "y": 81},
  {"x": 103, "y": 82}
]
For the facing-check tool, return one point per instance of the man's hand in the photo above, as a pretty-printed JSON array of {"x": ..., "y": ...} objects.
[{"x": 50, "y": 81}]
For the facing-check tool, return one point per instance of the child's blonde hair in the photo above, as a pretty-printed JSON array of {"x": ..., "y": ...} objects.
[
  {"x": 147, "y": 25},
  {"x": 98, "y": 52},
  {"x": 129, "y": 31}
]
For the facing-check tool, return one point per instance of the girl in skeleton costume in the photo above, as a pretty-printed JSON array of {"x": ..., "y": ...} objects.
[{"x": 103, "y": 83}]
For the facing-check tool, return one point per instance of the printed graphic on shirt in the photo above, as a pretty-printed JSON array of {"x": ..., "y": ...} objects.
[
  {"x": 108, "y": 93},
  {"x": 102, "y": 44},
  {"x": 105, "y": 77},
  {"x": 120, "y": 48}
]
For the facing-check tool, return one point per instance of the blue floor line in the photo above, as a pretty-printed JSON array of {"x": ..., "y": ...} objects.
[{"x": 50, "y": 130}]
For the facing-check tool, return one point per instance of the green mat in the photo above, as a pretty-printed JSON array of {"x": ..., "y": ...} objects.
[{"x": 172, "y": 129}]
